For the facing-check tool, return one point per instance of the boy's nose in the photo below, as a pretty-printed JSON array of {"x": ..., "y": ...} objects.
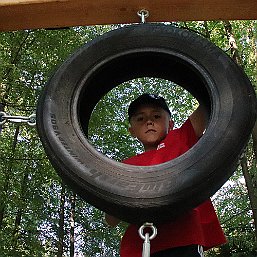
[{"x": 149, "y": 122}]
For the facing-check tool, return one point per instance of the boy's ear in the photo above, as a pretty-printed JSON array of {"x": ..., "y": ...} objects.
[
  {"x": 171, "y": 124},
  {"x": 131, "y": 131}
]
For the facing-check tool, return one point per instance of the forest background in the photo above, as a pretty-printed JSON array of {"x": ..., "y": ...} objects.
[{"x": 41, "y": 216}]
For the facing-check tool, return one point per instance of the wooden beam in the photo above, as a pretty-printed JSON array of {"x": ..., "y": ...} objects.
[{"x": 32, "y": 14}]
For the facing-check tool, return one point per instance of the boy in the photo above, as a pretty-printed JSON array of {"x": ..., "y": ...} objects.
[{"x": 198, "y": 229}]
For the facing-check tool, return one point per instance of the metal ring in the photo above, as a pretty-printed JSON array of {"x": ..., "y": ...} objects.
[
  {"x": 2, "y": 115},
  {"x": 147, "y": 225},
  {"x": 32, "y": 120}
]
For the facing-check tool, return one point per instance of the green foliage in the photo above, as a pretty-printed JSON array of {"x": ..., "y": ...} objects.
[{"x": 30, "y": 189}]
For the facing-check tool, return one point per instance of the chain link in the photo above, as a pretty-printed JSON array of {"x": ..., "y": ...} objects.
[{"x": 31, "y": 120}]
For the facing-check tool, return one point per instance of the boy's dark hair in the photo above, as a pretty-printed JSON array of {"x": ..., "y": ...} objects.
[{"x": 145, "y": 99}]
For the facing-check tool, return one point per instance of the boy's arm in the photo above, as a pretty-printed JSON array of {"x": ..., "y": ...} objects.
[
  {"x": 112, "y": 221},
  {"x": 199, "y": 120}
]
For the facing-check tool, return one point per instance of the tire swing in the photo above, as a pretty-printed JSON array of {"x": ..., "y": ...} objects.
[{"x": 154, "y": 193}]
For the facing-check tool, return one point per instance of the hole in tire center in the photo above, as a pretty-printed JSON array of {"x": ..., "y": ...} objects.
[{"x": 108, "y": 124}]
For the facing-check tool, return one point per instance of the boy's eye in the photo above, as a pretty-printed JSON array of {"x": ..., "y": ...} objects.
[
  {"x": 157, "y": 116},
  {"x": 140, "y": 118}
]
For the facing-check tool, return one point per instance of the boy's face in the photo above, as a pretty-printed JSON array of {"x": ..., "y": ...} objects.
[{"x": 150, "y": 125}]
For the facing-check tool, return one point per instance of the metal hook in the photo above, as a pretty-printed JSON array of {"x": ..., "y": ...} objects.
[{"x": 143, "y": 14}]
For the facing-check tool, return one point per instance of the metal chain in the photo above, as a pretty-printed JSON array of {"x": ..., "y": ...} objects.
[
  {"x": 147, "y": 237},
  {"x": 31, "y": 120},
  {"x": 143, "y": 14}
]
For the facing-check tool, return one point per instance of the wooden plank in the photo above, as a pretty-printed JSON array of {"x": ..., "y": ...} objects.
[{"x": 32, "y": 14}]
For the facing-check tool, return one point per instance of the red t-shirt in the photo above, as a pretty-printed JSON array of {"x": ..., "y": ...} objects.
[{"x": 198, "y": 226}]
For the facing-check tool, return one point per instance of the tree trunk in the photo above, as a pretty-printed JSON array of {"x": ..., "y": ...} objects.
[
  {"x": 8, "y": 171},
  {"x": 250, "y": 184},
  {"x": 4, "y": 94},
  {"x": 232, "y": 43},
  {"x": 21, "y": 208},
  {"x": 60, "y": 243},
  {"x": 254, "y": 137},
  {"x": 72, "y": 225},
  {"x": 2, "y": 105},
  {"x": 252, "y": 191}
]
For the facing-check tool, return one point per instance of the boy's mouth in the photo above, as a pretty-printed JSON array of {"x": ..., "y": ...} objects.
[{"x": 150, "y": 130}]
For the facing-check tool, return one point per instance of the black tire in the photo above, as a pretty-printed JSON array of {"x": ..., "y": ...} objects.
[{"x": 161, "y": 192}]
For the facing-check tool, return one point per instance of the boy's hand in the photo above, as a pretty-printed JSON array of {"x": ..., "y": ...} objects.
[{"x": 111, "y": 221}]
